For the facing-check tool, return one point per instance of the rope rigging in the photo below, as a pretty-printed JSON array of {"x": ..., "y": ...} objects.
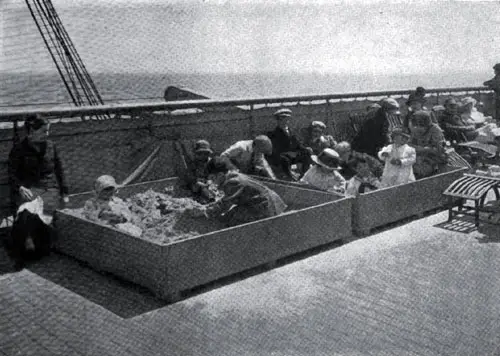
[{"x": 70, "y": 67}]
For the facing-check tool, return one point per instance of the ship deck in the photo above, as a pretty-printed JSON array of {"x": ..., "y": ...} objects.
[{"x": 423, "y": 288}]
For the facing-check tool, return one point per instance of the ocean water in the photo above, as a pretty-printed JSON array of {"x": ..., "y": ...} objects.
[{"x": 48, "y": 88}]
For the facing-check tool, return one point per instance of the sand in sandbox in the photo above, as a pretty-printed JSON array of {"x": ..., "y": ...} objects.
[{"x": 162, "y": 217}]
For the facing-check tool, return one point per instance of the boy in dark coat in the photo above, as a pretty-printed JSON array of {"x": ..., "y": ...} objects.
[{"x": 287, "y": 148}]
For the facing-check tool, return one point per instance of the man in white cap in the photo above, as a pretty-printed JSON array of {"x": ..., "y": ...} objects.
[
  {"x": 248, "y": 156},
  {"x": 287, "y": 148},
  {"x": 374, "y": 133}
]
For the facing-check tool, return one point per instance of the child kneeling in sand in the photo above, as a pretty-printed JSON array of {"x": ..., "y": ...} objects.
[
  {"x": 245, "y": 199},
  {"x": 399, "y": 159},
  {"x": 324, "y": 174},
  {"x": 106, "y": 207},
  {"x": 363, "y": 181}
]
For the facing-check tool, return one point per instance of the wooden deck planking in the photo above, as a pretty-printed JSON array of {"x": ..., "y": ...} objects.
[
  {"x": 413, "y": 297},
  {"x": 414, "y": 290},
  {"x": 65, "y": 324}
]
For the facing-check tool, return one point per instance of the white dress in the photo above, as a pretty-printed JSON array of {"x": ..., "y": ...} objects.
[
  {"x": 394, "y": 174},
  {"x": 329, "y": 181}
]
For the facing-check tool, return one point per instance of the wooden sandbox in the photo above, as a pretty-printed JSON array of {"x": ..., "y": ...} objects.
[
  {"x": 385, "y": 206},
  {"x": 317, "y": 218}
]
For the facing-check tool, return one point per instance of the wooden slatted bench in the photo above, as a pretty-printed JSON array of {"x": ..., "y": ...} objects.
[{"x": 471, "y": 187}]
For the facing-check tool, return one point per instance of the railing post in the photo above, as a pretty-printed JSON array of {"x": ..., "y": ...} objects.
[{"x": 253, "y": 125}]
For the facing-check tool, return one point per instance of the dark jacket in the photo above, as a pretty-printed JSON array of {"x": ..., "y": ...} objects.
[
  {"x": 282, "y": 142},
  {"x": 456, "y": 129},
  {"x": 494, "y": 84},
  {"x": 36, "y": 165},
  {"x": 246, "y": 200},
  {"x": 373, "y": 135},
  {"x": 376, "y": 167}
]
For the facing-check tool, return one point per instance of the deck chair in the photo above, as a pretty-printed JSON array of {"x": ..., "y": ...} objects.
[
  {"x": 356, "y": 120},
  {"x": 395, "y": 121}
]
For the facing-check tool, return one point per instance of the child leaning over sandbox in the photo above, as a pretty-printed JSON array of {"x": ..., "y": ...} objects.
[
  {"x": 105, "y": 207},
  {"x": 245, "y": 200},
  {"x": 399, "y": 159}
]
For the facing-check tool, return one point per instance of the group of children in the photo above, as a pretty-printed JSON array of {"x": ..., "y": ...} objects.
[{"x": 318, "y": 161}]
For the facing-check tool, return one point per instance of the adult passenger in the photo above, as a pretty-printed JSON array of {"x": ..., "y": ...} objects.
[
  {"x": 35, "y": 168},
  {"x": 454, "y": 126},
  {"x": 494, "y": 84},
  {"x": 374, "y": 133},
  {"x": 428, "y": 141}
]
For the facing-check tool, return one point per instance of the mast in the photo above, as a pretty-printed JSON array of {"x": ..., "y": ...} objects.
[{"x": 73, "y": 73}]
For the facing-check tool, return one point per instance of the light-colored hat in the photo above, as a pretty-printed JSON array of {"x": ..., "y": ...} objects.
[
  {"x": 469, "y": 100},
  {"x": 328, "y": 158},
  {"x": 202, "y": 146},
  {"x": 103, "y": 182},
  {"x": 390, "y": 103},
  {"x": 320, "y": 124},
  {"x": 264, "y": 144},
  {"x": 374, "y": 106},
  {"x": 283, "y": 113}
]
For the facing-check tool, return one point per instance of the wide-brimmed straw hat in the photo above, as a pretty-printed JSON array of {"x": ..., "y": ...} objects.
[
  {"x": 202, "y": 146},
  {"x": 283, "y": 113},
  {"x": 328, "y": 158}
]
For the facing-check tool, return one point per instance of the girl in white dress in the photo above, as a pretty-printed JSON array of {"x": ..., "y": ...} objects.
[{"x": 399, "y": 159}]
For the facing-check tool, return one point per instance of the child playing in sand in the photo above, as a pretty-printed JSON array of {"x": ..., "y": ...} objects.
[
  {"x": 399, "y": 159},
  {"x": 195, "y": 176},
  {"x": 363, "y": 181},
  {"x": 106, "y": 207}
]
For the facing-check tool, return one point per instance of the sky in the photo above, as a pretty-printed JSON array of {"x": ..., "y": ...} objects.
[{"x": 253, "y": 36}]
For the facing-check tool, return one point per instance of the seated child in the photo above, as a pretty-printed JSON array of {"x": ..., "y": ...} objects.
[
  {"x": 363, "y": 181},
  {"x": 245, "y": 199},
  {"x": 317, "y": 139},
  {"x": 107, "y": 208},
  {"x": 399, "y": 159},
  {"x": 324, "y": 173},
  {"x": 196, "y": 176}
]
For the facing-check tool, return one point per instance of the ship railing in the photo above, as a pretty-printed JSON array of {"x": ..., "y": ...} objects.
[
  {"x": 434, "y": 96},
  {"x": 136, "y": 132}
]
